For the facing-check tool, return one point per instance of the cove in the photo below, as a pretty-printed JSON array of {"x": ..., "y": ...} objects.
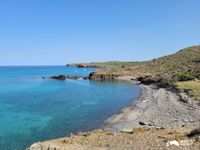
[{"x": 33, "y": 109}]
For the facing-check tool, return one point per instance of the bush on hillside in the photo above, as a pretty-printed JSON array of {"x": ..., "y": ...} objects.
[{"x": 184, "y": 76}]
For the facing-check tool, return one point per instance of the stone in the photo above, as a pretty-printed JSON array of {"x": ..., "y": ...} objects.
[
  {"x": 175, "y": 143},
  {"x": 184, "y": 98},
  {"x": 126, "y": 130},
  {"x": 142, "y": 123}
]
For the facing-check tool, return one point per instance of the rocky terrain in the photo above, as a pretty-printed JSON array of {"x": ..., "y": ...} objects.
[
  {"x": 135, "y": 139},
  {"x": 156, "y": 108}
]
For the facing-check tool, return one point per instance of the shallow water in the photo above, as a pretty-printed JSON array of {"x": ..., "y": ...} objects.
[{"x": 34, "y": 109}]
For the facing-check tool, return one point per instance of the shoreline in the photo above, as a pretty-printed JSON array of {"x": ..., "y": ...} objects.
[{"x": 155, "y": 108}]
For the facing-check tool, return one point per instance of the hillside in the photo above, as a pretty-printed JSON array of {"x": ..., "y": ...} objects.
[
  {"x": 186, "y": 60},
  {"x": 176, "y": 70}
]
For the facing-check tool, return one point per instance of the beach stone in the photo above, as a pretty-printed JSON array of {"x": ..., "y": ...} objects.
[
  {"x": 184, "y": 98},
  {"x": 175, "y": 143},
  {"x": 126, "y": 130},
  {"x": 142, "y": 123}
]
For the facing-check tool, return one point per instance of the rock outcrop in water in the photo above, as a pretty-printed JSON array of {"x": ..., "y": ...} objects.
[
  {"x": 63, "y": 77},
  {"x": 59, "y": 77},
  {"x": 101, "y": 76},
  {"x": 84, "y": 65}
]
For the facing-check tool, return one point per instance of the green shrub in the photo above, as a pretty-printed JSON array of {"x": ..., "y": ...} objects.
[{"x": 184, "y": 76}]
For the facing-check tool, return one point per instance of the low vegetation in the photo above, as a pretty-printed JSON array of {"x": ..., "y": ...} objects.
[{"x": 190, "y": 87}]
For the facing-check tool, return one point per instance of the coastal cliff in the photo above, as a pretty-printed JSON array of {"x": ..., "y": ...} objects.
[{"x": 166, "y": 113}]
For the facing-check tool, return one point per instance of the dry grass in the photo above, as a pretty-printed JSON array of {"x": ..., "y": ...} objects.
[{"x": 191, "y": 87}]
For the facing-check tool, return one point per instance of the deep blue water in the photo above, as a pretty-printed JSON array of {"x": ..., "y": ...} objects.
[{"x": 34, "y": 109}]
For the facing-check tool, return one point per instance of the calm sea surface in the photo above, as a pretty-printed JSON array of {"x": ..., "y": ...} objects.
[{"x": 34, "y": 109}]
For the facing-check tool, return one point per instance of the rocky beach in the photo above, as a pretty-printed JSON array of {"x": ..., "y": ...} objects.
[{"x": 156, "y": 108}]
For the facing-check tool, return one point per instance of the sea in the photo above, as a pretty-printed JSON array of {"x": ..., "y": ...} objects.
[{"x": 36, "y": 108}]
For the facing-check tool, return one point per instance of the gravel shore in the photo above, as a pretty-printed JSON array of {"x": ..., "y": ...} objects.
[{"x": 156, "y": 107}]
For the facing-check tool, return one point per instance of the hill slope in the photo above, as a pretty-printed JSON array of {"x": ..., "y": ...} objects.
[
  {"x": 169, "y": 70},
  {"x": 186, "y": 60}
]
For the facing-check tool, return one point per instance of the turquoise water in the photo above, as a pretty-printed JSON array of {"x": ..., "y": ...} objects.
[{"x": 34, "y": 109}]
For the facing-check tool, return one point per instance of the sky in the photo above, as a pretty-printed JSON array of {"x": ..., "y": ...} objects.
[{"x": 57, "y": 32}]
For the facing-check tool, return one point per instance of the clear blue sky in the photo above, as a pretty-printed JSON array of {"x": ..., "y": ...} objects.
[{"x": 56, "y": 32}]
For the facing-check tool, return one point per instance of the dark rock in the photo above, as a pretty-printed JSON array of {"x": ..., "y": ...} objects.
[
  {"x": 193, "y": 133},
  {"x": 60, "y": 77},
  {"x": 142, "y": 123},
  {"x": 101, "y": 76}
]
